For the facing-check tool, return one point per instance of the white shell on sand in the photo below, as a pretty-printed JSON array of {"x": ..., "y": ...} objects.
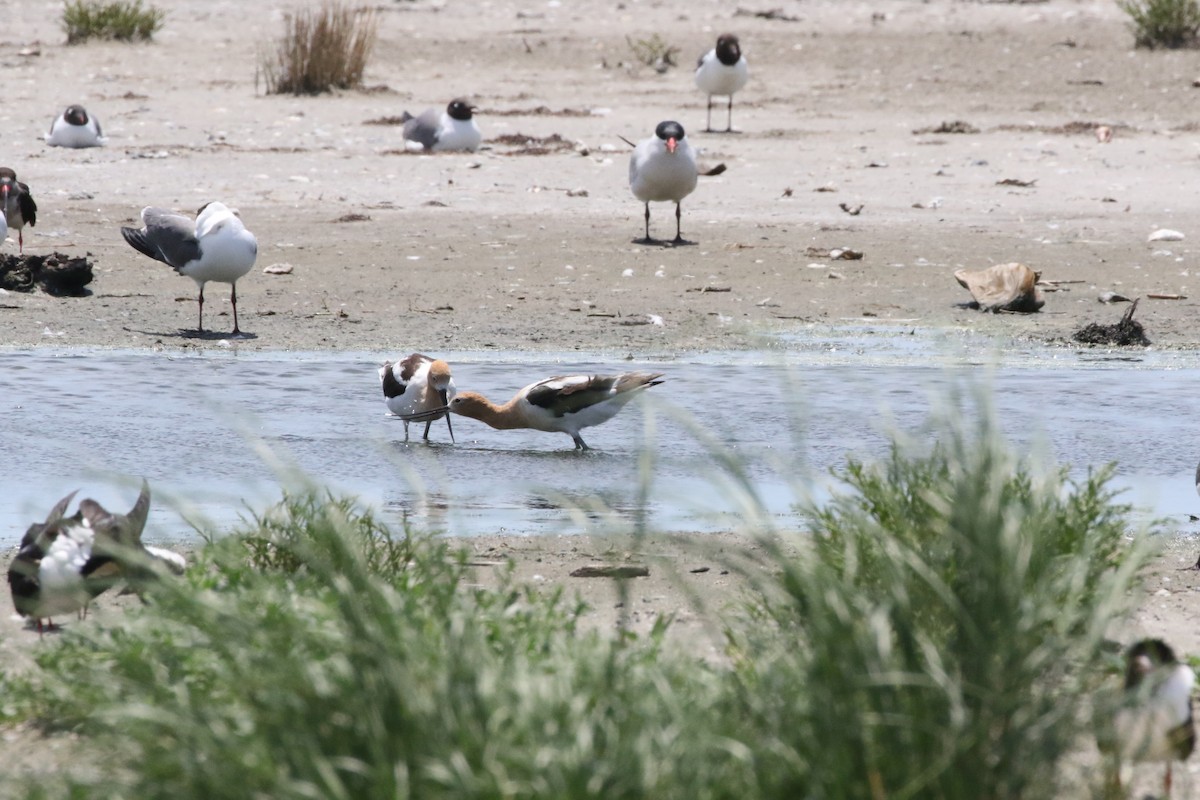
[{"x": 1165, "y": 235}]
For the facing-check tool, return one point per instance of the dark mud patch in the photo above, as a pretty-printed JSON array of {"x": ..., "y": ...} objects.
[
  {"x": 523, "y": 145},
  {"x": 1126, "y": 333},
  {"x": 55, "y": 274}
]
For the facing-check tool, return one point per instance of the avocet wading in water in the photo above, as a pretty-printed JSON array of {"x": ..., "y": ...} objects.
[
  {"x": 215, "y": 247},
  {"x": 565, "y": 404},
  {"x": 418, "y": 386},
  {"x": 663, "y": 169}
]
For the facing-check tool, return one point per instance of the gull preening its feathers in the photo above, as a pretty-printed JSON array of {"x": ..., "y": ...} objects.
[{"x": 215, "y": 247}]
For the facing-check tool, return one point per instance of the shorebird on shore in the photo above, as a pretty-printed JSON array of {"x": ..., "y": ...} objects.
[
  {"x": 420, "y": 386},
  {"x": 16, "y": 200},
  {"x": 216, "y": 247},
  {"x": 722, "y": 71},
  {"x": 1154, "y": 721},
  {"x": 663, "y": 169},
  {"x": 565, "y": 404},
  {"x": 438, "y": 131},
  {"x": 74, "y": 128},
  {"x": 65, "y": 562}
]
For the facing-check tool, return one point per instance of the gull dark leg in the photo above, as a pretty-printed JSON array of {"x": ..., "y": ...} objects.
[
  {"x": 647, "y": 221},
  {"x": 200, "y": 321},
  {"x": 406, "y": 431},
  {"x": 729, "y": 125},
  {"x": 708, "y": 122},
  {"x": 678, "y": 235},
  {"x": 233, "y": 300},
  {"x": 580, "y": 444},
  {"x": 427, "y": 426},
  {"x": 21, "y": 241}
]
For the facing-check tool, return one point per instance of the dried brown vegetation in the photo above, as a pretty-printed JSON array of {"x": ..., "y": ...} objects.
[{"x": 321, "y": 50}]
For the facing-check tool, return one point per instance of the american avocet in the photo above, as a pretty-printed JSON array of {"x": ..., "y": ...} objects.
[
  {"x": 421, "y": 386},
  {"x": 74, "y": 128},
  {"x": 18, "y": 205},
  {"x": 216, "y": 247},
  {"x": 1154, "y": 722},
  {"x": 722, "y": 71},
  {"x": 663, "y": 169},
  {"x": 437, "y": 131},
  {"x": 564, "y": 404}
]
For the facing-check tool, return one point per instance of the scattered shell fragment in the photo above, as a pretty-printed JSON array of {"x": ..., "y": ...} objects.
[
  {"x": 845, "y": 254},
  {"x": 1165, "y": 235},
  {"x": 1104, "y": 134},
  {"x": 1113, "y": 297},
  {"x": 281, "y": 268}
]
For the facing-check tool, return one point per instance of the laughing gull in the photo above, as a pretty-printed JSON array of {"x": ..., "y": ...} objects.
[
  {"x": 418, "y": 385},
  {"x": 216, "y": 247},
  {"x": 74, "y": 128},
  {"x": 661, "y": 169},
  {"x": 565, "y": 404},
  {"x": 19, "y": 208},
  {"x": 722, "y": 71},
  {"x": 452, "y": 129}
]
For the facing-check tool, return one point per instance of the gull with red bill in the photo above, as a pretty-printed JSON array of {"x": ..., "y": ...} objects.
[
  {"x": 16, "y": 203},
  {"x": 663, "y": 169}
]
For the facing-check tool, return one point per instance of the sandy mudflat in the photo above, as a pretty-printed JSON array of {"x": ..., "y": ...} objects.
[
  {"x": 489, "y": 250},
  {"x": 531, "y": 248}
]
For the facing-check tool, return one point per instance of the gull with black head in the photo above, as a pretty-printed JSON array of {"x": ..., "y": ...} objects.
[
  {"x": 663, "y": 169},
  {"x": 436, "y": 131},
  {"x": 215, "y": 247},
  {"x": 722, "y": 71}
]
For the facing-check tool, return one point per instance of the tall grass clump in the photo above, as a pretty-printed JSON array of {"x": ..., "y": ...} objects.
[
  {"x": 124, "y": 20},
  {"x": 318, "y": 669},
  {"x": 1163, "y": 23},
  {"x": 944, "y": 634},
  {"x": 321, "y": 50}
]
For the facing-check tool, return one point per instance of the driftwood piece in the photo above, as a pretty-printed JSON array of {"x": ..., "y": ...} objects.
[
  {"x": 611, "y": 571},
  {"x": 1127, "y": 332},
  {"x": 1003, "y": 287}
]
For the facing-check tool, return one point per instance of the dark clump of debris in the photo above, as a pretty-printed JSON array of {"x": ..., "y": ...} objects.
[
  {"x": 56, "y": 274},
  {"x": 1128, "y": 332}
]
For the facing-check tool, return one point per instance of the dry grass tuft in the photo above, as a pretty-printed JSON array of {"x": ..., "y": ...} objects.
[{"x": 321, "y": 50}]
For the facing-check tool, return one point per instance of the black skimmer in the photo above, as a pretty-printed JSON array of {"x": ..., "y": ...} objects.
[{"x": 19, "y": 208}]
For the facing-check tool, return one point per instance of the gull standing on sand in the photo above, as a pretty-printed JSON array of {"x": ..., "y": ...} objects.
[
  {"x": 1154, "y": 722},
  {"x": 17, "y": 202},
  {"x": 434, "y": 131},
  {"x": 564, "y": 404},
  {"x": 663, "y": 169},
  {"x": 418, "y": 385},
  {"x": 74, "y": 128},
  {"x": 722, "y": 71},
  {"x": 216, "y": 247}
]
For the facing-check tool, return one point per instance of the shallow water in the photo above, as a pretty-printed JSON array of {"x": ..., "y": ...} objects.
[{"x": 217, "y": 435}]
